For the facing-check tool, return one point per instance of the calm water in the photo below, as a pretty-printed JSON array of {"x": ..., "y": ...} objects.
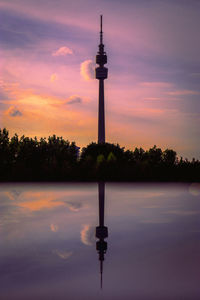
[{"x": 48, "y": 243}]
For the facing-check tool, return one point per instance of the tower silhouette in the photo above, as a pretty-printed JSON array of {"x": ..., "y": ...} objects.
[
  {"x": 101, "y": 74},
  {"x": 101, "y": 230}
]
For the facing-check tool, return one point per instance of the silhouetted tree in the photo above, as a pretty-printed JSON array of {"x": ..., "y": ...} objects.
[
  {"x": 169, "y": 157},
  {"x": 54, "y": 158}
]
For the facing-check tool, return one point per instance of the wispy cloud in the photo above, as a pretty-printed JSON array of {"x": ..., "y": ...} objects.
[
  {"x": 152, "y": 98},
  {"x": 74, "y": 206},
  {"x": 62, "y": 51},
  {"x": 183, "y": 93},
  {"x": 197, "y": 74},
  {"x": 62, "y": 254},
  {"x": 156, "y": 84}
]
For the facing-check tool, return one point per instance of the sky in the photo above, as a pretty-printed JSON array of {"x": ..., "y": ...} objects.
[{"x": 152, "y": 94}]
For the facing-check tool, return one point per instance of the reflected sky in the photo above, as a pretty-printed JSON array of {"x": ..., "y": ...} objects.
[{"x": 48, "y": 244}]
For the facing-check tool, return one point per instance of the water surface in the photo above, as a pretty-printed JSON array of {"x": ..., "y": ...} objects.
[{"x": 48, "y": 243}]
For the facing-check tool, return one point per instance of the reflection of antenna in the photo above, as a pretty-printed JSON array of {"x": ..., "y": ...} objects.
[
  {"x": 101, "y": 272},
  {"x": 101, "y": 230}
]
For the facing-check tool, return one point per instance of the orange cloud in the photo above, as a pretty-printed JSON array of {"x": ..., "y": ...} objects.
[
  {"x": 53, "y": 77},
  {"x": 39, "y": 200}
]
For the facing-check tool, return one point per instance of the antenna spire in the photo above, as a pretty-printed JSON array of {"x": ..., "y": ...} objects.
[{"x": 101, "y": 32}]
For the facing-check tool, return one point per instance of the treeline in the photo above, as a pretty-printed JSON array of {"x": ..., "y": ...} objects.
[{"x": 56, "y": 159}]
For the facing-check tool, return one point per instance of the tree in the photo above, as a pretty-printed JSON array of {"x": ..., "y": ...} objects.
[{"x": 169, "y": 157}]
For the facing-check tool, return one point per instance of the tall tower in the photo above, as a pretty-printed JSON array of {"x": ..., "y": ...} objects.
[
  {"x": 101, "y": 74},
  {"x": 101, "y": 230}
]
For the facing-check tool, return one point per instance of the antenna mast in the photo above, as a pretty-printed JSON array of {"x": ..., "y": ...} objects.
[{"x": 101, "y": 32}]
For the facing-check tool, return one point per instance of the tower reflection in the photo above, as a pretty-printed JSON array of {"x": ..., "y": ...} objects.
[{"x": 101, "y": 230}]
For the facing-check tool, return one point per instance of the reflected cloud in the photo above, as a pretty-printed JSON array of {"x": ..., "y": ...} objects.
[
  {"x": 157, "y": 221},
  {"x": 194, "y": 189},
  {"x": 74, "y": 206},
  {"x": 62, "y": 254},
  {"x": 88, "y": 235},
  {"x": 13, "y": 194},
  {"x": 54, "y": 227},
  {"x": 183, "y": 212},
  {"x": 152, "y": 206},
  {"x": 40, "y": 200}
]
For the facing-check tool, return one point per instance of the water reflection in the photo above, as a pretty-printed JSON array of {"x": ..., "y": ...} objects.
[
  {"x": 101, "y": 230},
  {"x": 47, "y": 241}
]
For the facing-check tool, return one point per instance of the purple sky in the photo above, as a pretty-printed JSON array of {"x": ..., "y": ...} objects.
[{"x": 152, "y": 93}]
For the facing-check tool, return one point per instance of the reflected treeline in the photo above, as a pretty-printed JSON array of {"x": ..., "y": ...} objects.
[
  {"x": 56, "y": 159},
  {"x": 101, "y": 230}
]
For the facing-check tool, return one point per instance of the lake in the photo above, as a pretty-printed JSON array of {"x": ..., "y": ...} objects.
[{"x": 50, "y": 248}]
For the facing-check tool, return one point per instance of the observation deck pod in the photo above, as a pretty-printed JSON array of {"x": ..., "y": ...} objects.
[
  {"x": 101, "y": 246},
  {"x": 101, "y": 73},
  {"x": 101, "y": 232},
  {"x": 101, "y": 59}
]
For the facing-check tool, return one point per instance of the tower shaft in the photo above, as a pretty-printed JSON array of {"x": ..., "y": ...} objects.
[{"x": 101, "y": 116}]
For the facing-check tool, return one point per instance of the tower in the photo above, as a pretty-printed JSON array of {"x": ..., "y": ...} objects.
[
  {"x": 101, "y": 74},
  {"x": 101, "y": 230}
]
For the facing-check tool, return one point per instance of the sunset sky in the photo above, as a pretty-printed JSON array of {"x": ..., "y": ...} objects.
[{"x": 152, "y": 93}]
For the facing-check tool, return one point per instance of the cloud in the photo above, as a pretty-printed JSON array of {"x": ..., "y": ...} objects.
[
  {"x": 13, "y": 194},
  {"x": 54, "y": 227},
  {"x": 183, "y": 212},
  {"x": 74, "y": 99},
  {"x": 88, "y": 235},
  {"x": 13, "y": 112},
  {"x": 53, "y": 77},
  {"x": 62, "y": 51},
  {"x": 195, "y": 74},
  {"x": 156, "y": 84},
  {"x": 63, "y": 254},
  {"x": 194, "y": 189},
  {"x": 87, "y": 69},
  {"x": 152, "y": 98},
  {"x": 74, "y": 206},
  {"x": 39, "y": 200},
  {"x": 183, "y": 93}
]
